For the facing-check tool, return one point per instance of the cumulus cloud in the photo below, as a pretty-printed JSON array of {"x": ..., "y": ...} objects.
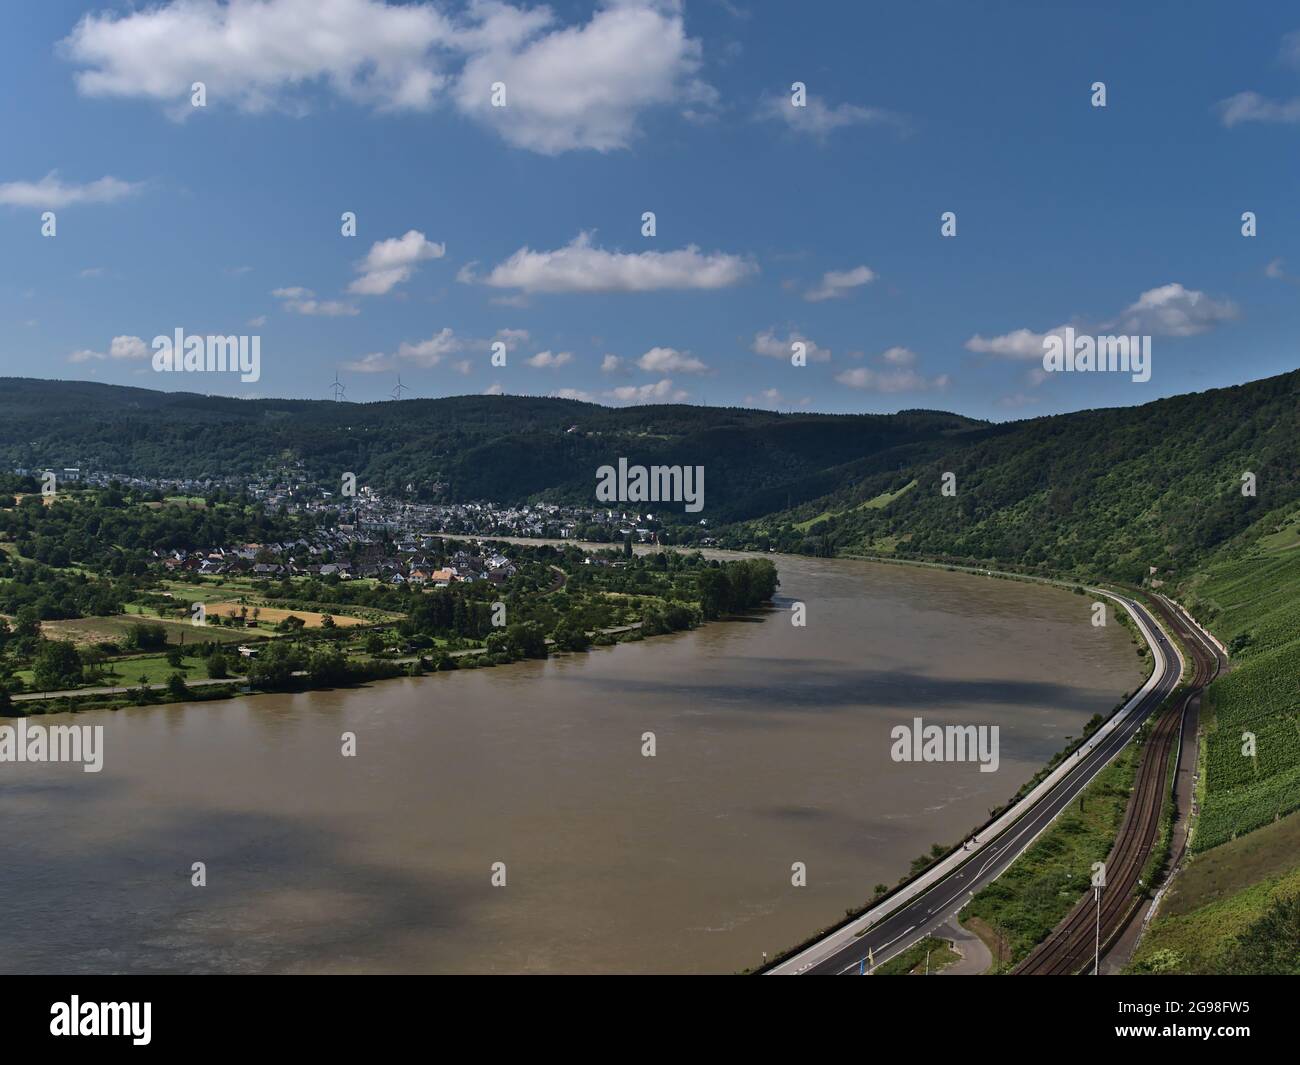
[
  {"x": 127, "y": 347},
  {"x": 899, "y": 356},
  {"x": 548, "y": 360},
  {"x": 391, "y": 262},
  {"x": 819, "y": 120},
  {"x": 51, "y": 192},
  {"x": 432, "y": 351},
  {"x": 572, "y": 393},
  {"x": 897, "y": 373},
  {"x": 1252, "y": 107},
  {"x": 1175, "y": 311},
  {"x": 582, "y": 86},
  {"x": 1018, "y": 344},
  {"x": 261, "y": 56},
  {"x": 120, "y": 347},
  {"x": 768, "y": 345},
  {"x": 1168, "y": 310},
  {"x": 773, "y": 399},
  {"x": 375, "y": 362},
  {"x": 494, "y": 389},
  {"x": 299, "y": 300},
  {"x": 893, "y": 380},
  {"x": 670, "y": 360},
  {"x": 585, "y": 85},
  {"x": 660, "y": 392},
  {"x": 581, "y": 267},
  {"x": 611, "y": 364},
  {"x": 837, "y": 283}
]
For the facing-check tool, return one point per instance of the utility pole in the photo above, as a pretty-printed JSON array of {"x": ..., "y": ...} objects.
[{"x": 1096, "y": 965}]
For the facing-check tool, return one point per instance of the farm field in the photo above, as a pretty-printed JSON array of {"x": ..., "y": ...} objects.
[
  {"x": 274, "y": 615},
  {"x": 124, "y": 672},
  {"x": 87, "y": 631}
]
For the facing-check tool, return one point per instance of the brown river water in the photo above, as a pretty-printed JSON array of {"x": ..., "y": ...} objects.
[{"x": 772, "y": 747}]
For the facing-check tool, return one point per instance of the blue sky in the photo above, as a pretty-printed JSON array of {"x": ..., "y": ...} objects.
[{"x": 774, "y": 223}]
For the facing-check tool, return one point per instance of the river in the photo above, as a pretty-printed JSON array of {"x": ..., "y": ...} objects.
[{"x": 772, "y": 747}]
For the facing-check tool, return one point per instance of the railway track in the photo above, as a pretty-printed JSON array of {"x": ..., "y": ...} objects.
[{"x": 1072, "y": 945}]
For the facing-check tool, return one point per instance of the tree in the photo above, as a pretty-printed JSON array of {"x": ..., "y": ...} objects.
[
  {"x": 177, "y": 688},
  {"x": 570, "y": 635},
  {"x": 526, "y": 640},
  {"x": 57, "y": 665},
  {"x": 218, "y": 667}
]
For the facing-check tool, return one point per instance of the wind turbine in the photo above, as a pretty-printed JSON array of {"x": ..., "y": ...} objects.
[
  {"x": 397, "y": 391},
  {"x": 338, "y": 386}
]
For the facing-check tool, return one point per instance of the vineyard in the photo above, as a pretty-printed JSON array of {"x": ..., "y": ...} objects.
[{"x": 1251, "y": 604}]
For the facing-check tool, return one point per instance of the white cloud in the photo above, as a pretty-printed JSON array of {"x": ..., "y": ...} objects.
[
  {"x": 611, "y": 364},
  {"x": 257, "y": 322},
  {"x": 51, "y": 192},
  {"x": 837, "y": 283},
  {"x": 660, "y": 391},
  {"x": 818, "y": 120},
  {"x": 128, "y": 347},
  {"x": 494, "y": 389},
  {"x": 584, "y": 85},
  {"x": 390, "y": 262},
  {"x": 375, "y": 362},
  {"x": 773, "y": 398},
  {"x": 768, "y": 345},
  {"x": 579, "y": 86},
  {"x": 895, "y": 380},
  {"x": 259, "y": 55},
  {"x": 580, "y": 267},
  {"x": 1251, "y": 107},
  {"x": 511, "y": 338},
  {"x": 572, "y": 393},
  {"x": 1172, "y": 310},
  {"x": 1018, "y": 344},
  {"x": 299, "y": 300},
  {"x": 120, "y": 347},
  {"x": 432, "y": 351},
  {"x": 1168, "y": 310},
  {"x": 670, "y": 360},
  {"x": 546, "y": 360},
  {"x": 899, "y": 356}
]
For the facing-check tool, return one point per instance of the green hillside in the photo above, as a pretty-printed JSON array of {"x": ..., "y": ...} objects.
[
  {"x": 498, "y": 448},
  {"x": 1102, "y": 492}
]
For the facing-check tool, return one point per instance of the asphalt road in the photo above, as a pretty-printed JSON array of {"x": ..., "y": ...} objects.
[{"x": 917, "y": 918}]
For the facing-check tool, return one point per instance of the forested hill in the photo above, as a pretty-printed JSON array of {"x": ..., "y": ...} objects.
[
  {"x": 499, "y": 448},
  {"x": 1106, "y": 492}
]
